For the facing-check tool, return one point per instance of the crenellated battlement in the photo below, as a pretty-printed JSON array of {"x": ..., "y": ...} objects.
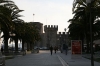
[
  {"x": 51, "y": 27},
  {"x": 61, "y": 33}
]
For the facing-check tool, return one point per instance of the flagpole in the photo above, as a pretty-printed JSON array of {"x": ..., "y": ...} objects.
[{"x": 33, "y": 17}]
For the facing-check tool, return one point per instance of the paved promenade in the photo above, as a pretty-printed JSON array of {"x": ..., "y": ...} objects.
[{"x": 45, "y": 59}]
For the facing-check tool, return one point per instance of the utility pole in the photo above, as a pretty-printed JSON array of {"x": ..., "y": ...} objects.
[{"x": 89, "y": 3}]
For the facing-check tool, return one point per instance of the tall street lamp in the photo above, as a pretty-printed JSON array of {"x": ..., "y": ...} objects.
[{"x": 89, "y": 2}]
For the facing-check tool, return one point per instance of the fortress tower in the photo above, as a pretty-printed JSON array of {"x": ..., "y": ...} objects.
[{"x": 51, "y": 35}]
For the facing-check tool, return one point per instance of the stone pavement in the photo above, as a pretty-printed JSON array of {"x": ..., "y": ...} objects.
[
  {"x": 77, "y": 62},
  {"x": 45, "y": 59}
]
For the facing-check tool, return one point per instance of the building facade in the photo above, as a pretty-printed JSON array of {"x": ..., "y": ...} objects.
[{"x": 50, "y": 37}]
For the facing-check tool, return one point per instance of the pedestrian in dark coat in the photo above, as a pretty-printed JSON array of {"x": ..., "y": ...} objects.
[
  {"x": 66, "y": 49},
  {"x": 2, "y": 50},
  {"x": 51, "y": 49},
  {"x": 55, "y": 48}
]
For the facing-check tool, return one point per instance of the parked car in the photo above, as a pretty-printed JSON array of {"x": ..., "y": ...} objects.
[
  {"x": 45, "y": 48},
  {"x": 36, "y": 47},
  {"x": 2, "y": 60},
  {"x": 41, "y": 48}
]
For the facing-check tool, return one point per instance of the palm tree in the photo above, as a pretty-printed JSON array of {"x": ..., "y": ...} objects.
[
  {"x": 17, "y": 23},
  {"x": 77, "y": 30},
  {"x": 6, "y": 26},
  {"x": 81, "y": 14},
  {"x": 16, "y": 31},
  {"x": 6, "y": 20},
  {"x": 29, "y": 34}
]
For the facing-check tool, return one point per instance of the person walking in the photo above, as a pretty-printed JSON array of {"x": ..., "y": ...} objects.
[
  {"x": 55, "y": 48},
  {"x": 66, "y": 49},
  {"x": 2, "y": 50},
  {"x": 51, "y": 49}
]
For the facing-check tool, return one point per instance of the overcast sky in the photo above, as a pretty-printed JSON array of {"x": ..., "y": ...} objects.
[{"x": 48, "y": 12}]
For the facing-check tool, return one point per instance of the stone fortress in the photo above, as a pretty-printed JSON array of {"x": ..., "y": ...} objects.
[{"x": 50, "y": 36}]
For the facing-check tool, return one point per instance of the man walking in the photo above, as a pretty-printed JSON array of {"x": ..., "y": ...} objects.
[
  {"x": 51, "y": 49},
  {"x": 66, "y": 49}
]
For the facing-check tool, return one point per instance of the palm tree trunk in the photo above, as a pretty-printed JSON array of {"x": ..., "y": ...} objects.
[
  {"x": 23, "y": 44},
  {"x": 6, "y": 52},
  {"x": 16, "y": 45},
  {"x": 28, "y": 46},
  {"x": 88, "y": 46},
  {"x": 82, "y": 46},
  {"x": 23, "y": 50}
]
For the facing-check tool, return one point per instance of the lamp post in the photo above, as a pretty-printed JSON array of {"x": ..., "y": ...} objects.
[{"x": 89, "y": 2}]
